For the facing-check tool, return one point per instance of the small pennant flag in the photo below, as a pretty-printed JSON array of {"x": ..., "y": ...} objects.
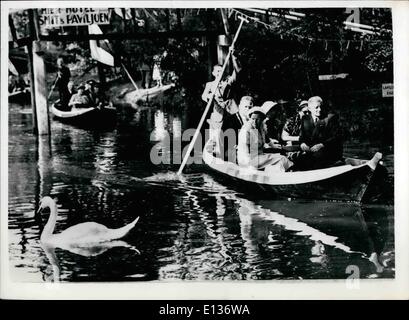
[
  {"x": 98, "y": 53},
  {"x": 124, "y": 13}
]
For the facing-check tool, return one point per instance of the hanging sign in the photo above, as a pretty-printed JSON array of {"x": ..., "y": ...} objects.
[
  {"x": 65, "y": 17},
  {"x": 387, "y": 90}
]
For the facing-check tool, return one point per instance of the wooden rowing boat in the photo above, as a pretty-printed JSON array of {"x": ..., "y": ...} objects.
[
  {"x": 146, "y": 94},
  {"x": 87, "y": 117},
  {"x": 355, "y": 180},
  {"x": 20, "y": 95}
]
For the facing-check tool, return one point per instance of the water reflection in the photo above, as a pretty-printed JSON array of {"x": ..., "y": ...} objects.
[
  {"x": 45, "y": 169},
  {"x": 105, "y": 158},
  {"x": 193, "y": 228},
  {"x": 93, "y": 251},
  {"x": 275, "y": 244},
  {"x": 52, "y": 258}
]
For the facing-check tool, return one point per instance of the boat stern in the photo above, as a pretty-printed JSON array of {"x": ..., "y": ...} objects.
[{"x": 373, "y": 163}]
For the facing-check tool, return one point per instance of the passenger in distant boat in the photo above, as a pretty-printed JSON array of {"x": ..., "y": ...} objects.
[
  {"x": 100, "y": 98},
  {"x": 321, "y": 141},
  {"x": 71, "y": 88},
  {"x": 292, "y": 128},
  {"x": 63, "y": 77},
  {"x": 12, "y": 83},
  {"x": 251, "y": 146},
  {"x": 20, "y": 84},
  {"x": 90, "y": 92},
  {"x": 80, "y": 99},
  {"x": 16, "y": 84},
  {"x": 156, "y": 74},
  {"x": 223, "y": 104},
  {"x": 145, "y": 72},
  {"x": 72, "y": 91}
]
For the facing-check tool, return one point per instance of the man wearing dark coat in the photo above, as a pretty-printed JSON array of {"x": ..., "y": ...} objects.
[
  {"x": 321, "y": 140},
  {"x": 63, "y": 77}
]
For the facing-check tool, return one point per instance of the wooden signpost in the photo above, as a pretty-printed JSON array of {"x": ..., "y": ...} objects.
[{"x": 40, "y": 90}]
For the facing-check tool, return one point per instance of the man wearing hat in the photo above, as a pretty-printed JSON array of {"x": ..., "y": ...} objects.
[
  {"x": 90, "y": 92},
  {"x": 250, "y": 151},
  {"x": 292, "y": 127},
  {"x": 80, "y": 99},
  {"x": 71, "y": 88},
  {"x": 100, "y": 98},
  {"x": 71, "y": 91}
]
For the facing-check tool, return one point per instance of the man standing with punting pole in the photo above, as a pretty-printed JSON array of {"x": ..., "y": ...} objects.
[
  {"x": 210, "y": 100},
  {"x": 61, "y": 82},
  {"x": 224, "y": 104}
]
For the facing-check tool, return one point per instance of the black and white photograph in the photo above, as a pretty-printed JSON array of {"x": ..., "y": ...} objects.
[{"x": 183, "y": 144}]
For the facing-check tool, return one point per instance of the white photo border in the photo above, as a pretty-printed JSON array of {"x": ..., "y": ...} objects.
[{"x": 397, "y": 288}]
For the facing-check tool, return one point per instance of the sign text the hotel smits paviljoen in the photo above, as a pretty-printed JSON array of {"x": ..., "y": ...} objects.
[{"x": 64, "y": 17}]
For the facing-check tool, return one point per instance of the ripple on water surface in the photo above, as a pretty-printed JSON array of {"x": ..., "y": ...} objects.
[{"x": 191, "y": 227}]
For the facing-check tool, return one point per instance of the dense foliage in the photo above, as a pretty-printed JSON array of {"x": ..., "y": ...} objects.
[{"x": 281, "y": 58}]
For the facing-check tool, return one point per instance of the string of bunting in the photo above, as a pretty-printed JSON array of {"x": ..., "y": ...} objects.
[{"x": 270, "y": 27}]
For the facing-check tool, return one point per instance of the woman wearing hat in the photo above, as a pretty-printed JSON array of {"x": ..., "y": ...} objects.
[
  {"x": 251, "y": 143},
  {"x": 80, "y": 99},
  {"x": 272, "y": 123}
]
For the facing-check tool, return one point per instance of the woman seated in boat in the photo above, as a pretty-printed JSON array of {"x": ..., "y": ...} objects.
[
  {"x": 100, "y": 99},
  {"x": 16, "y": 84},
  {"x": 271, "y": 125},
  {"x": 12, "y": 83},
  {"x": 250, "y": 152},
  {"x": 291, "y": 131},
  {"x": 90, "y": 91},
  {"x": 80, "y": 99}
]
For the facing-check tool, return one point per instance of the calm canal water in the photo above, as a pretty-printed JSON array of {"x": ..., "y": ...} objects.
[{"x": 194, "y": 228}]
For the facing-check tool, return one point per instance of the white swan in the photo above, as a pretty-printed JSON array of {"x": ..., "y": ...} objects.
[{"x": 85, "y": 234}]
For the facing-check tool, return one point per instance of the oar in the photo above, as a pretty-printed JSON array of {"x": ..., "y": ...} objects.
[
  {"x": 209, "y": 103},
  {"x": 130, "y": 77},
  {"x": 111, "y": 51},
  {"x": 52, "y": 88}
]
